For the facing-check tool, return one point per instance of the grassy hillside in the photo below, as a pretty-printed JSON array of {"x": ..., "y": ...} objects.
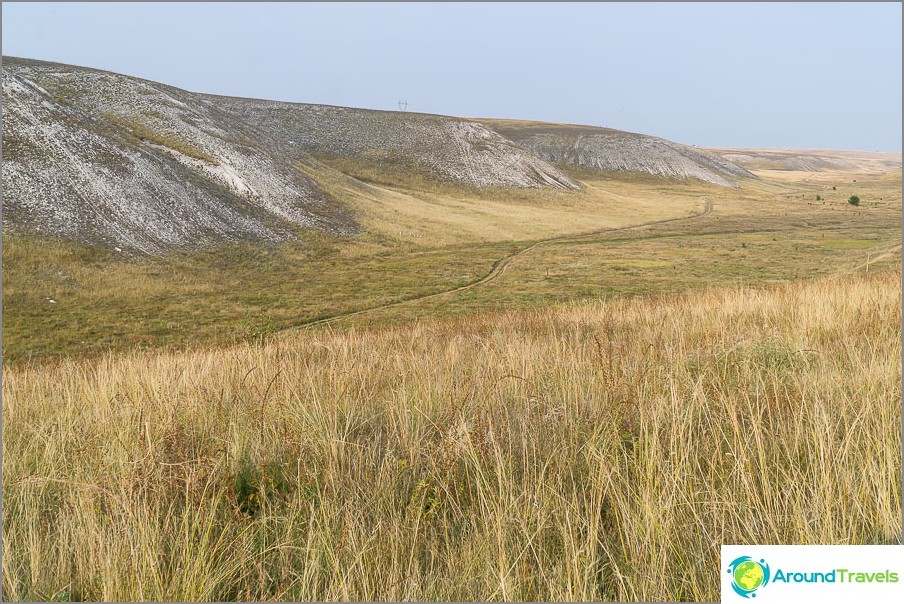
[{"x": 595, "y": 451}]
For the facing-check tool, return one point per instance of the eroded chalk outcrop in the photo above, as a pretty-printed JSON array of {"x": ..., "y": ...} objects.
[
  {"x": 615, "y": 151},
  {"x": 448, "y": 148},
  {"x": 106, "y": 159}
]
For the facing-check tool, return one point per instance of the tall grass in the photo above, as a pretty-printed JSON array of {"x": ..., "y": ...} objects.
[{"x": 594, "y": 451}]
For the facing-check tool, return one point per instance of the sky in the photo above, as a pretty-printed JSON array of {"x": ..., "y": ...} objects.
[{"x": 801, "y": 75}]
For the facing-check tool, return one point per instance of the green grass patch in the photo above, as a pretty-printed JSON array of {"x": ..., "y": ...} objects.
[
  {"x": 143, "y": 132},
  {"x": 101, "y": 300}
]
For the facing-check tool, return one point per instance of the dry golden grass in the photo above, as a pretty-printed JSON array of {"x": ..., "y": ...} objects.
[
  {"x": 590, "y": 451},
  {"x": 405, "y": 209}
]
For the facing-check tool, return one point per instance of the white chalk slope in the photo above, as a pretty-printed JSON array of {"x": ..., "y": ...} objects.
[
  {"x": 448, "y": 148},
  {"x": 107, "y": 159},
  {"x": 103, "y": 158},
  {"x": 615, "y": 151}
]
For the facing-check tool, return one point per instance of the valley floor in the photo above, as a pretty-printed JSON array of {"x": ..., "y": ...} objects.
[{"x": 446, "y": 252}]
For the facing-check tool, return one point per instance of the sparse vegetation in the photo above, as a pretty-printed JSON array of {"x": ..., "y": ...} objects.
[
  {"x": 596, "y": 451},
  {"x": 144, "y": 132}
]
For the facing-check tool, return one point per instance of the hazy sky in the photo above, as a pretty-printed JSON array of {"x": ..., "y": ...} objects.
[{"x": 745, "y": 75}]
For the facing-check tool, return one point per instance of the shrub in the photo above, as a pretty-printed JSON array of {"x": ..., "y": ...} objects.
[{"x": 854, "y": 200}]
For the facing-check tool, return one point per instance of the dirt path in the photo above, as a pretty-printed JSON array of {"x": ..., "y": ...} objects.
[
  {"x": 500, "y": 265},
  {"x": 877, "y": 258}
]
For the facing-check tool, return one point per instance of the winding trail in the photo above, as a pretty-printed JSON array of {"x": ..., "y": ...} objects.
[{"x": 500, "y": 265}]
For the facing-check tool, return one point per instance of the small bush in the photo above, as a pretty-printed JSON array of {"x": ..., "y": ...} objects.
[
  {"x": 854, "y": 200},
  {"x": 246, "y": 488},
  {"x": 818, "y": 198}
]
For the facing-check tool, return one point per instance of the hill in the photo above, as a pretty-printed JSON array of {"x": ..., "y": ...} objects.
[
  {"x": 811, "y": 160},
  {"x": 107, "y": 159},
  {"x": 616, "y": 151},
  {"x": 447, "y": 148}
]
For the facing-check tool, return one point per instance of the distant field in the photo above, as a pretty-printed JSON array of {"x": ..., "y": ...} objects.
[
  {"x": 591, "y": 451},
  {"x": 423, "y": 241}
]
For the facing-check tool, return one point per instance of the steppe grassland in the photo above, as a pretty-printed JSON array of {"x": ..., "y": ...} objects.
[
  {"x": 103, "y": 301},
  {"x": 588, "y": 451},
  {"x": 240, "y": 292},
  {"x": 595, "y": 450}
]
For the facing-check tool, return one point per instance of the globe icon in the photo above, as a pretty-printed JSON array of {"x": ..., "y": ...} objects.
[{"x": 748, "y": 575}]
